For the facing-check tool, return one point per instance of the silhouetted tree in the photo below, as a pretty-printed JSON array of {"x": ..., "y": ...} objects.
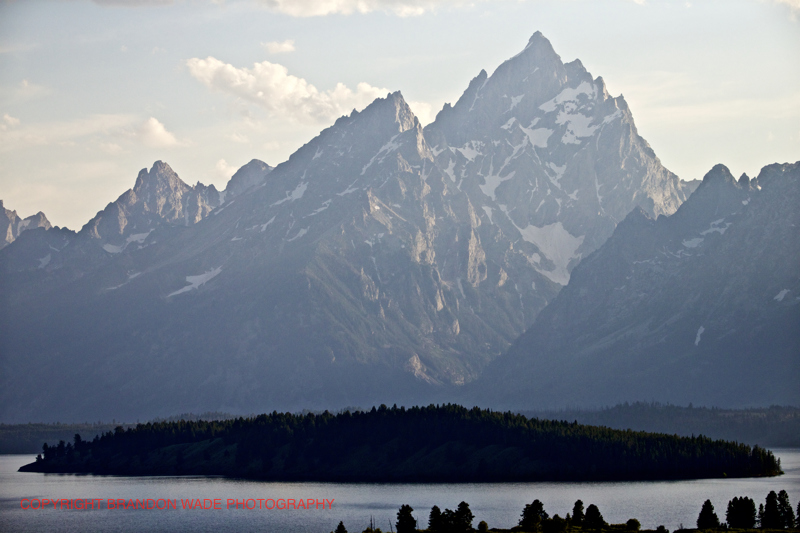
[
  {"x": 771, "y": 518},
  {"x": 405, "y": 520},
  {"x": 483, "y": 527},
  {"x": 463, "y": 518},
  {"x": 662, "y": 529},
  {"x": 554, "y": 525},
  {"x": 340, "y": 528},
  {"x": 741, "y": 513},
  {"x": 435, "y": 520},
  {"x": 633, "y": 525},
  {"x": 577, "y": 513},
  {"x": 532, "y": 516},
  {"x": 593, "y": 520},
  {"x": 785, "y": 510},
  {"x": 707, "y": 519}
]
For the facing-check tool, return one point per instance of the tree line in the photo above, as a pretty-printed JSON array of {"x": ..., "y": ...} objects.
[{"x": 775, "y": 514}]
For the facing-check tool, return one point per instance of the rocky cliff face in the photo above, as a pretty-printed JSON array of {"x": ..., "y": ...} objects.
[
  {"x": 253, "y": 174},
  {"x": 11, "y": 225},
  {"x": 381, "y": 263},
  {"x": 158, "y": 197},
  {"x": 702, "y": 306},
  {"x": 549, "y": 158}
]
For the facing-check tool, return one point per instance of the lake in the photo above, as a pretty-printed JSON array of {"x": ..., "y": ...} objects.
[{"x": 670, "y": 503}]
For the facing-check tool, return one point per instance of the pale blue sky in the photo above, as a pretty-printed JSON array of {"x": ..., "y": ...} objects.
[{"x": 91, "y": 92}]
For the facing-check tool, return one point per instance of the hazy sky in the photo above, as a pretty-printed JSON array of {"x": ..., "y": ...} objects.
[{"x": 93, "y": 91}]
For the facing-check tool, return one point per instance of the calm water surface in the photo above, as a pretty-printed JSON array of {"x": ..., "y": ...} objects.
[{"x": 670, "y": 503}]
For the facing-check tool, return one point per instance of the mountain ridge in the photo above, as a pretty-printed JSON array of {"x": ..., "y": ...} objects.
[
  {"x": 691, "y": 307},
  {"x": 383, "y": 262}
]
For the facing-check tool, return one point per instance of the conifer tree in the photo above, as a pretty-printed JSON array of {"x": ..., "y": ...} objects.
[
  {"x": 577, "y": 513},
  {"x": 593, "y": 520},
  {"x": 741, "y": 513},
  {"x": 785, "y": 510},
  {"x": 532, "y": 516},
  {"x": 340, "y": 528},
  {"x": 707, "y": 519},
  {"x": 405, "y": 520},
  {"x": 772, "y": 518},
  {"x": 435, "y": 520},
  {"x": 463, "y": 518}
]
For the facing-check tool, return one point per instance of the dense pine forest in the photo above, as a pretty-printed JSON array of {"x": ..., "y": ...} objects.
[{"x": 435, "y": 444}]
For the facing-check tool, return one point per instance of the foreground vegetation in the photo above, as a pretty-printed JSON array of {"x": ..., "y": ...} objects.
[
  {"x": 776, "y": 514},
  {"x": 435, "y": 443}
]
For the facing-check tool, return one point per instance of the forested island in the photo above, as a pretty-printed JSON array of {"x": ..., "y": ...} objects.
[{"x": 447, "y": 443}]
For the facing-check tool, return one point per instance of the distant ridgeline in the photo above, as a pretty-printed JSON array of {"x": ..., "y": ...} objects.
[{"x": 437, "y": 443}]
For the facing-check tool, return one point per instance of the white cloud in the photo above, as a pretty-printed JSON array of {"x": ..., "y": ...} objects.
[
  {"x": 111, "y": 148},
  {"x": 27, "y": 90},
  {"x": 403, "y": 8},
  {"x": 274, "y": 47},
  {"x": 152, "y": 133},
  {"x": 794, "y": 5},
  {"x": 238, "y": 138},
  {"x": 224, "y": 170},
  {"x": 9, "y": 122},
  {"x": 270, "y": 86},
  {"x": 50, "y": 133},
  {"x": 423, "y": 111},
  {"x": 132, "y": 3}
]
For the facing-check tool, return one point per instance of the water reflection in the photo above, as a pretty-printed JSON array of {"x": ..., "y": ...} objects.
[{"x": 670, "y": 503}]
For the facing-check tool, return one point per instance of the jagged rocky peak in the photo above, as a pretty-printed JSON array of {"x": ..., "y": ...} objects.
[
  {"x": 549, "y": 158},
  {"x": 383, "y": 117},
  {"x": 12, "y": 225},
  {"x": 719, "y": 173},
  {"x": 250, "y": 175},
  {"x": 395, "y": 108},
  {"x": 159, "y": 196}
]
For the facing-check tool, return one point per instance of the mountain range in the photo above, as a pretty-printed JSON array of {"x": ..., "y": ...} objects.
[
  {"x": 382, "y": 262},
  {"x": 702, "y": 306}
]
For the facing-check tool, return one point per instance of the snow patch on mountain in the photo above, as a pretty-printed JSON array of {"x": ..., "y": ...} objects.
[
  {"x": 716, "y": 227},
  {"x": 469, "y": 151},
  {"x": 198, "y": 281},
  {"x": 296, "y": 194},
  {"x": 557, "y": 244},
  {"x": 568, "y": 95},
  {"x": 492, "y": 182},
  {"x": 781, "y": 295},
  {"x": 537, "y": 137},
  {"x": 578, "y": 126},
  {"x": 300, "y": 233},
  {"x": 699, "y": 333}
]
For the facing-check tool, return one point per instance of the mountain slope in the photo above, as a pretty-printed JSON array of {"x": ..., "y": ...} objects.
[
  {"x": 381, "y": 263},
  {"x": 702, "y": 306}
]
